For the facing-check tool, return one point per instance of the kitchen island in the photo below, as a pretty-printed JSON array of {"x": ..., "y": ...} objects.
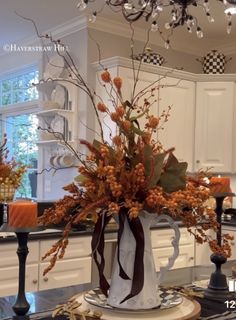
[
  {"x": 77, "y": 266},
  {"x": 42, "y": 303}
]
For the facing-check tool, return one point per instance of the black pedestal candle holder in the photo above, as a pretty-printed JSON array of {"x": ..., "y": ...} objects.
[
  {"x": 218, "y": 288},
  {"x": 21, "y": 305}
]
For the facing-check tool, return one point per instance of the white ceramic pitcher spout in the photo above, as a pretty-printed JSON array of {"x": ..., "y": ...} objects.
[{"x": 120, "y": 288}]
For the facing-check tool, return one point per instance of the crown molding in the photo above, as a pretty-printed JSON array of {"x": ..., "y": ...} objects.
[
  {"x": 69, "y": 27},
  {"x": 163, "y": 71}
]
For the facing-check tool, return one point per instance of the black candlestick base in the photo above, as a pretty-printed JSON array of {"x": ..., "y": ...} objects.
[
  {"x": 21, "y": 306},
  {"x": 218, "y": 288}
]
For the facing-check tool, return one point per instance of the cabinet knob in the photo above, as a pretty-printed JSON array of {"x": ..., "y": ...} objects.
[
  {"x": 35, "y": 281},
  {"x": 197, "y": 161},
  {"x": 45, "y": 279},
  {"x": 191, "y": 259}
]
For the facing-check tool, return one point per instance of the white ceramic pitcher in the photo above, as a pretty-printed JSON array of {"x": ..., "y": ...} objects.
[{"x": 120, "y": 288}]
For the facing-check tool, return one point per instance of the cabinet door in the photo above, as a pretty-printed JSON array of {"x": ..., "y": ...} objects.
[
  {"x": 10, "y": 258},
  {"x": 162, "y": 248},
  {"x": 214, "y": 124},
  {"x": 65, "y": 273},
  {"x": 145, "y": 82},
  {"x": 77, "y": 247},
  {"x": 232, "y": 232},
  {"x": 161, "y": 238},
  {"x": 203, "y": 251},
  {"x": 178, "y": 131},
  {"x": 184, "y": 259},
  {"x": 9, "y": 280}
]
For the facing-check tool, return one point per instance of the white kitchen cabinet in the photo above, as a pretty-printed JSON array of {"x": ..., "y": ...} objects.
[
  {"x": 66, "y": 273},
  {"x": 162, "y": 248},
  {"x": 146, "y": 79},
  {"x": 214, "y": 126},
  {"x": 9, "y": 268},
  {"x": 232, "y": 231},
  {"x": 10, "y": 258},
  {"x": 74, "y": 268},
  {"x": 179, "y": 129},
  {"x": 201, "y": 123},
  {"x": 203, "y": 251},
  {"x": 78, "y": 247},
  {"x": 9, "y": 280}
]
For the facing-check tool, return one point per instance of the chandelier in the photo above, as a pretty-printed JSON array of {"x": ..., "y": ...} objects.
[{"x": 150, "y": 10}]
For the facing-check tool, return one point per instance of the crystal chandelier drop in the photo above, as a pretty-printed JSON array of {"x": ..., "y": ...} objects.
[{"x": 150, "y": 10}]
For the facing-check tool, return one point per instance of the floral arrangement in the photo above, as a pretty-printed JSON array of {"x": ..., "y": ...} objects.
[
  {"x": 11, "y": 173},
  {"x": 131, "y": 173}
]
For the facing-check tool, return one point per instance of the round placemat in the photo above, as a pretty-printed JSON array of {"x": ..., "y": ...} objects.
[{"x": 169, "y": 299}]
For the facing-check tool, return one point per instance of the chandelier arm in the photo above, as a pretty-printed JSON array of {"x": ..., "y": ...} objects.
[
  {"x": 133, "y": 10},
  {"x": 115, "y": 3},
  {"x": 132, "y": 17}
]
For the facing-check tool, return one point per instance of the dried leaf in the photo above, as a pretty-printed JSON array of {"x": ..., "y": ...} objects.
[
  {"x": 153, "y": 165},
  {"x": 174, "y": 176},
  {"x": 158, "y": 163},
  {"x": 80, "y": 178}
]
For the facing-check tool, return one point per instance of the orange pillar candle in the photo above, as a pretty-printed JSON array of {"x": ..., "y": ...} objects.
[
  {"x": 220, "y": 185},
  {"x": 22, "y": 214}
]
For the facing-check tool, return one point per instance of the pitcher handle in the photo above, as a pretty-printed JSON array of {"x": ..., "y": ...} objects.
[{"x": 174, "y": 242}]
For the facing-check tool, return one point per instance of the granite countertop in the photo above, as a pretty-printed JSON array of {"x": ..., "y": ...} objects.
[
  {"x": 41, "y": 302},
  {"x": 52, "y": 233}
]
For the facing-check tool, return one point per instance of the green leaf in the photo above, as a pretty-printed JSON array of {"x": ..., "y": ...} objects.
[
  {"x": 171, "y": 161},
  {"x": 153, "y": 165},
  {"x": 137, "y": 130},
  {"x": 80, "y": 179},
  {"x": 136, "y": 122},
  {"x": 138, "y": 116},
  {"x": 97, "y": 144},
  {"x": 157, "y": 170},
  {"x": 147, "y": 153},
  {"x": 174, "y": 176}
]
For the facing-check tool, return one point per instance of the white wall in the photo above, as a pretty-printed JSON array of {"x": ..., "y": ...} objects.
[{"x": 113, "y": 45}]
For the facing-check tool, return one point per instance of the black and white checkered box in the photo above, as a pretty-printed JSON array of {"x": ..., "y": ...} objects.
[
  {"x": 214, "y": 62},
  {"x": 150, "y": 57},
  {"x": 153, "y": 58}
]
